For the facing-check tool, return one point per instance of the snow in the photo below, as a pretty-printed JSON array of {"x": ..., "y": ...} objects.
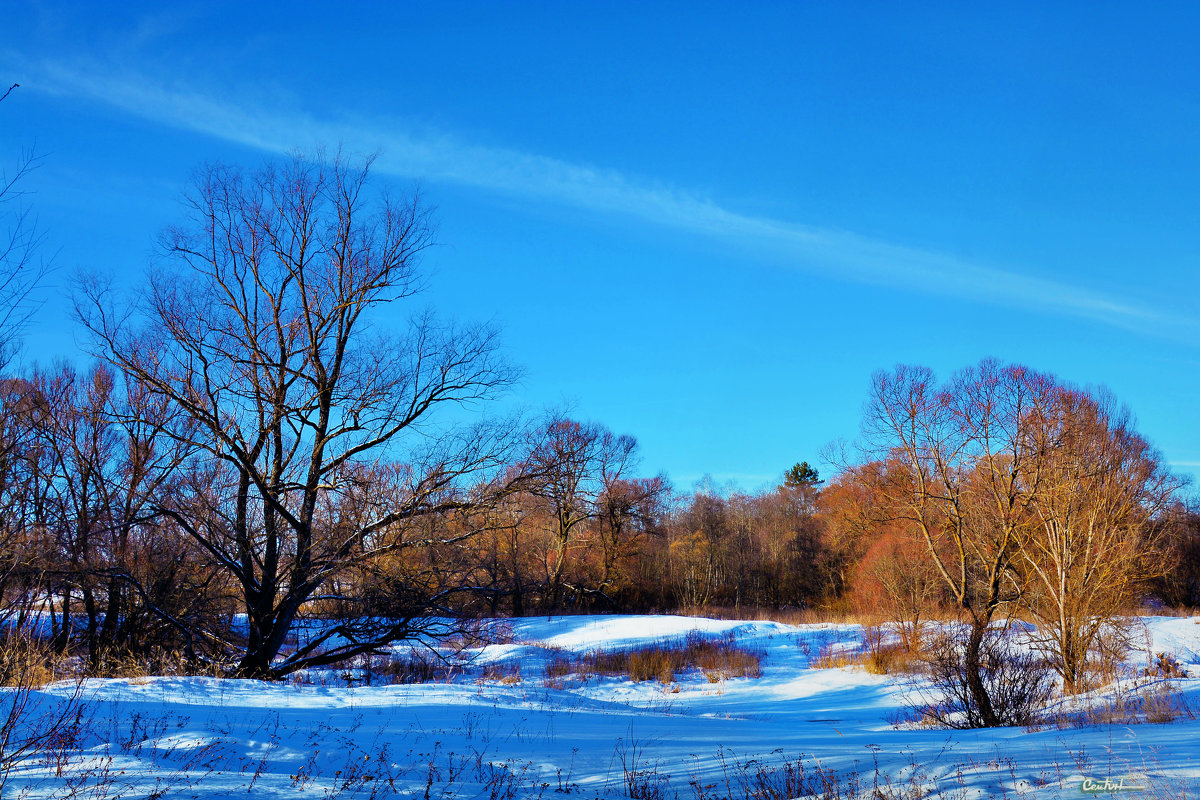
[{"x": 470, "y": 737}]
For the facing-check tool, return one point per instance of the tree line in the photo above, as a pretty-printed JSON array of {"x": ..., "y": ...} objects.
[{"x": 272, "y": 465}]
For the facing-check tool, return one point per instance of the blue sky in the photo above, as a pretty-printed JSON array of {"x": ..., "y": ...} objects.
[{"x": 703, "y": 224}]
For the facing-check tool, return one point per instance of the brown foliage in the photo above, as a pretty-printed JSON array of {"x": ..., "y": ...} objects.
[{"x": 896, "y": 583}]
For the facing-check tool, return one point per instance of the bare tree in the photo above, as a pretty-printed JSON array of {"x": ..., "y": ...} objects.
[
  {"x": 20, "y": 268},
  {"x": 268, "y": 332},
  {"x": 1178, "y": 534},
  {"x": 1089, "y": 549},
  {"x": 697, "y": 552},
  {"x": 577, "y": 465},
  {"x": 897, "y": 581},
  {"x": 108, "y": 460},
  {"x": 628, "y": 510},
  {"x": 853, "y": 509},
  {"x": 26, "y": 490},
  {"x": 968, "y": 458}
]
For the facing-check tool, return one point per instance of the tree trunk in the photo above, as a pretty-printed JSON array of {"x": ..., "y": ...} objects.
[
  {"x": 518, "y": 599},
  {"x": 93, "y": 627},
  {"x": 63, "y": 639},
  {"x": 973, "y": 668}
]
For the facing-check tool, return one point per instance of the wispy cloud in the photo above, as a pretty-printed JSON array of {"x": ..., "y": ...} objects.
[{"x": 436, "y": 157}]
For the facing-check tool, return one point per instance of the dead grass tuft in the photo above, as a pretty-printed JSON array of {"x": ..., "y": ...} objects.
[
  {"x": 506, "y": 674},
  {"x": 1166, "y": 666},
  {"x": 1154, "y": 703},
  {"x": 718, "y": 659},
  {"x": 416, "y": 666},
  {"x": 877, "y": 658},
  {"x": 28, "y": 661}
]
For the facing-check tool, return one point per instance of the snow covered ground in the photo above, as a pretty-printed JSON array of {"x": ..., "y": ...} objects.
[{"x": 793, "y": 729}]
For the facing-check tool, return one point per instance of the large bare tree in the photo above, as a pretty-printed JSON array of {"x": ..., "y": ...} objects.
[
  {"x": 1090, "y": 547},
  {"x": 966, "y": 463},
  {"x": 275, "y": 327}
]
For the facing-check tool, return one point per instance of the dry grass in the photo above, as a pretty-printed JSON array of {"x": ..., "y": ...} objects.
[
  {"x": 506, "y": 674},
  {"x": 1165, "y": 666},
  {"x": 1154, "y": 703},
  {"x": 416, "y": 666},
  {"x": 27, "y": 661},
  {"x": 719, "y": 659},
  {"x": 139, "y": 666},
  {"x": 877, "y": 658}
]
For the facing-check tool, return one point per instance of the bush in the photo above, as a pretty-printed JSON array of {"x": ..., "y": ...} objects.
[{"x": 1017, "y": 680}]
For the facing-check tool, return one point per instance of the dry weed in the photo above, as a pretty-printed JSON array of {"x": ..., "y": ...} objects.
[{"x": 718, "y": 659}]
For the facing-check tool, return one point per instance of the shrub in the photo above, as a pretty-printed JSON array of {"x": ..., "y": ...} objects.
[
  {"x": 1018, "y": 681},
  {"x": 1162, "y": 703},
  {"x": 507, "y": 674}
]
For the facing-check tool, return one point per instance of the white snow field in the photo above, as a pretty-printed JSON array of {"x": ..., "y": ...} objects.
[{"x": 794, "y": 730}]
